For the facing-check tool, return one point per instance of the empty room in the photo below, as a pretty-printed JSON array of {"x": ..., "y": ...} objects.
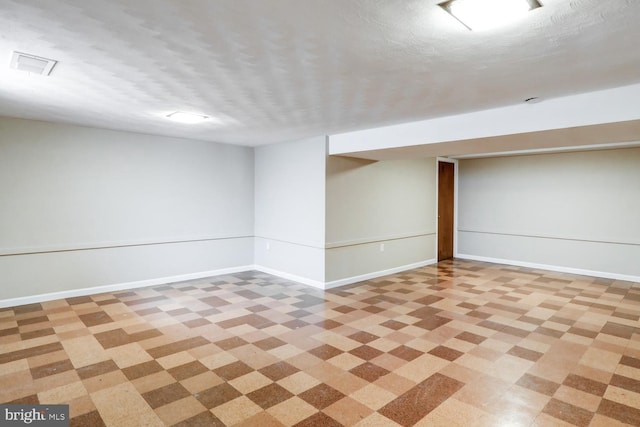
[{"x": 319, "y": 213}]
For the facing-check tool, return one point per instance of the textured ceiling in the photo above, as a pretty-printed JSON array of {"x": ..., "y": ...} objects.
[{"x": 277, "y": 70}]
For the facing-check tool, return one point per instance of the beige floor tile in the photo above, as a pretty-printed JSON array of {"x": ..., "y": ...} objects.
[
  {"x": 128, "y": 355},
  {"x": 373, "y": 396},
  {"x": 84, "y": 351},
  {"x": 620, "y": 395},
  {"x": 123, "y": 406},
  {"x": 292, "y": 411}
]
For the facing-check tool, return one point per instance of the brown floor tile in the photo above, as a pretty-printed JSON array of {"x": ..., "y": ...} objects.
[
  {"x": 9, "y": 331},
  {"x": 625, "y": 383},
  {"x": 409, "y": 408},
  {"x": 432, "y": 322},
  {"x": 26, "y": 400},
  {"x": 217, "y": 395},
  {"x": 630, "y": 361},
  {"x": 203, "y": 419},
  {"x": 619, "y": 412},
  {"x": 32, "y": 320},
  {"x": 97, "y": 318},
  {"x": 525, "y": 353},
  {"x": 37, "y": 333},
  {"x": 585, "y": 384},
  {"x": 369, "y": 372},
  {"x": 176, "y": 347},
  {"x": 92, "y": 419},
  {"x": 142, "y": 370},
  {"x": 569, "y": 413},
  {"x": 321, "y": 396},
  {"x": 446, "y": 353},
  {"x": 269, "y": 395},
  {"x": 392, "y": 324},
  {"x": 363, "y": 337},
  {"x": 318, "y": 420},
  {"x": 97, "y": 369},
  {"x": 278, "y": 370},
  {"x": 470, "y": 337},
  {"x": 29, "y": 352},
  {"x": 365, "y": 352},
  {"x": 51, "y": 369},
  {"x": 113, "y": 338},
  {"x": 618, "y": 330},
  {"x": 144, "y": 335},
  {"x": 538, "y": 384},
  {"x": 325, "y": 352},
  {"x": 269, "y": 343},
  {"x": 165, "y": 395},
  {"x": 187, "y": 370},
  {"x": 233, "y": 370}
]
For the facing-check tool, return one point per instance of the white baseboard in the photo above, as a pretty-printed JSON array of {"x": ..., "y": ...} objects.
[
  {"x": 560, "y": 269},
  {"x": 13, "y": 302},
  {"x": 375, "y": 274},
  {"x": 305, "y": 281}
]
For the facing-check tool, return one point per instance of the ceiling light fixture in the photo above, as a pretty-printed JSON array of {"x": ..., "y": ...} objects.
[
  {"x": 486, "y": 14},
  {"x": 188, "y": 118},
  {"x": 32, "y": 64}
]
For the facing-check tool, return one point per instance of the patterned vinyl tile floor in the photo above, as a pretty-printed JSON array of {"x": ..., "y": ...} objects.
[{"x": 459, "y": 343}]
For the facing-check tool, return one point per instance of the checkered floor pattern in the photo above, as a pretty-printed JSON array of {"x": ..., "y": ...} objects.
[{"x": 459, "y": 343}]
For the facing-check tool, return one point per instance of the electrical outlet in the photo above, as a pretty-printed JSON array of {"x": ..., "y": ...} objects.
[
  {"x": 268, "y": 246},
  {"x": 381, "y": 247}
]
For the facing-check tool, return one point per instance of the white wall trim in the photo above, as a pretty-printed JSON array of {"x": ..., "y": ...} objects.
[
  {"x": 12, "y": 302},
  {"x": 314, "y": 245},
  {"x": 375, "y": 274},
  {"x": 90, "y": 246},
  {"x": 560, "y": 269},
  {"x": 305, "y": 281},
  {"x": 551, "y": 237},
  {"x": 375, "y": 239}
]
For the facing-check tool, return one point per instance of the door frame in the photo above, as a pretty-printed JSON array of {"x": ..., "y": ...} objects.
[{"x": 455, "y": 205}]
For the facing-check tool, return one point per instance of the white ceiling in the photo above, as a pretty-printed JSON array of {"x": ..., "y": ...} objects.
[{"x": 277, "y": 70}]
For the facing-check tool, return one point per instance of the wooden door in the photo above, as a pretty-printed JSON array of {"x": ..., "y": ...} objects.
[{"x": 445, "y": 210}]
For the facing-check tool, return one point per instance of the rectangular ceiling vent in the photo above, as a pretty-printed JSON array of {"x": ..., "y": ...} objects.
[{"x": 32, "y": 64}]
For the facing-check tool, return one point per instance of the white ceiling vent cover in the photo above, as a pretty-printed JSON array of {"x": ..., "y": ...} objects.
[{"x": 32, "y": 64}]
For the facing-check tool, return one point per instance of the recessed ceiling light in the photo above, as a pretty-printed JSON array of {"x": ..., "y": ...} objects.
[
  {"x": 32, "y": 64},
  {"x": 485, "y": 14},
  {"x": 189, "y": 118}
]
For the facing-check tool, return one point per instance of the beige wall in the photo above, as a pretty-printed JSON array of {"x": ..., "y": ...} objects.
[
  {"x": 86, "y": 208},
  {"x": 577, "y": 210},
  {"x": 102, "y": 207},
  {"x": 369, "y": 204}
]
